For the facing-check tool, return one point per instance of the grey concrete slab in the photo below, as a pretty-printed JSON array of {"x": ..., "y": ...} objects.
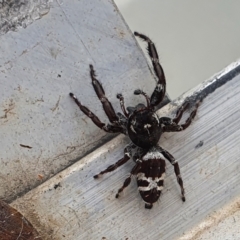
[
  {"x": 41, "y": 129},
  {"x": 72, "y": 205},
  {"x": 16, "y": 14}
]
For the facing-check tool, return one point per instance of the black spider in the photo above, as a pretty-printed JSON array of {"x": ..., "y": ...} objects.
[{"x": 144, "y": 128}]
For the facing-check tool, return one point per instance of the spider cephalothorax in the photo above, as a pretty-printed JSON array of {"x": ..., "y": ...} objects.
[{"x": 144, "y": 128}]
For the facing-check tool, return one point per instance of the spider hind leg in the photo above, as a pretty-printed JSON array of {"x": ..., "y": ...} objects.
[{"x": 172, "y": 160}]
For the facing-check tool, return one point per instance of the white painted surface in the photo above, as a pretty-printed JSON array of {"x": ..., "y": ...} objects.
[
  {"x": 39, "y": 66},
  {"x": 84, "y": 208},
  {"x": 195, "y": 39}
]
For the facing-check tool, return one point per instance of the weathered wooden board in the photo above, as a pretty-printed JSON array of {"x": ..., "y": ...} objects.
[
  {"x": 72, "y": 205},
  {"x": 41, "y": 129}
]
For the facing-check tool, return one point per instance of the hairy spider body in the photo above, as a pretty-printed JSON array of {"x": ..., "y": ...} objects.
[{"x": 144, "y": 128}]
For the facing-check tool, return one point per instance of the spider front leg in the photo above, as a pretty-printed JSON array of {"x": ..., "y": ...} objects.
[
  {"x": 159, "y": 91},
  {"x": 173, "y": 161}
]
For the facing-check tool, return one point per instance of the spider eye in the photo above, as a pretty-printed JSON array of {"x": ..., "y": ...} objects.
[{"x": 147, "y": 126}]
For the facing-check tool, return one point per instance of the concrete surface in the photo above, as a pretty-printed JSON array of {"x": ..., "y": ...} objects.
[
  {"x": 72, "y": 205},
  {"x": 42, "y": 130},
  {"x": 221, "y": 224},
  {"x": 43, "y": 133}
]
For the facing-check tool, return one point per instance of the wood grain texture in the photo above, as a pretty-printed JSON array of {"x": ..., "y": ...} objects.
[{"x": 209, "y": 157}]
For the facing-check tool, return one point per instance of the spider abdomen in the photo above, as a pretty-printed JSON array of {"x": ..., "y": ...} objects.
[{"x": 150, "y": 180}]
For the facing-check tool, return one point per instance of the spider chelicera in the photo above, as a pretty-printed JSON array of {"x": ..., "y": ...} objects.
[{"x": 144, "y": 128}]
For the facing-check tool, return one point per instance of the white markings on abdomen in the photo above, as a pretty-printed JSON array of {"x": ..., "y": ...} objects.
[
  {"x": 153, "y": 155},
  {"x": 152, "y": 183}
]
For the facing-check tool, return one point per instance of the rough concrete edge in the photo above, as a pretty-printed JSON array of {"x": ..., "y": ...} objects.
[{"x": 210, "y": 85}]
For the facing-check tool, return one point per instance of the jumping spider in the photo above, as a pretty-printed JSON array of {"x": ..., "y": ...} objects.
[{"x": 144, "y": 128}]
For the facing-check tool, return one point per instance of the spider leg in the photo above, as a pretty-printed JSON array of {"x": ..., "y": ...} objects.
[
  {"x": 95, "y": 119},
  {"x": 173, "y": 161},
  {"x": 121, "y": 98},
  {"x": 138, "y": 92},
  {"x": 107, "y": 106},
  {"x": 122, "y": 122},
  {"x": 115, "y": 165},
  {"x": 127, "y": 181},
  {"x": 171, "y": 125},
  {"x": 180, "y": 112},
  {"x": 159, "y": 91}
]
